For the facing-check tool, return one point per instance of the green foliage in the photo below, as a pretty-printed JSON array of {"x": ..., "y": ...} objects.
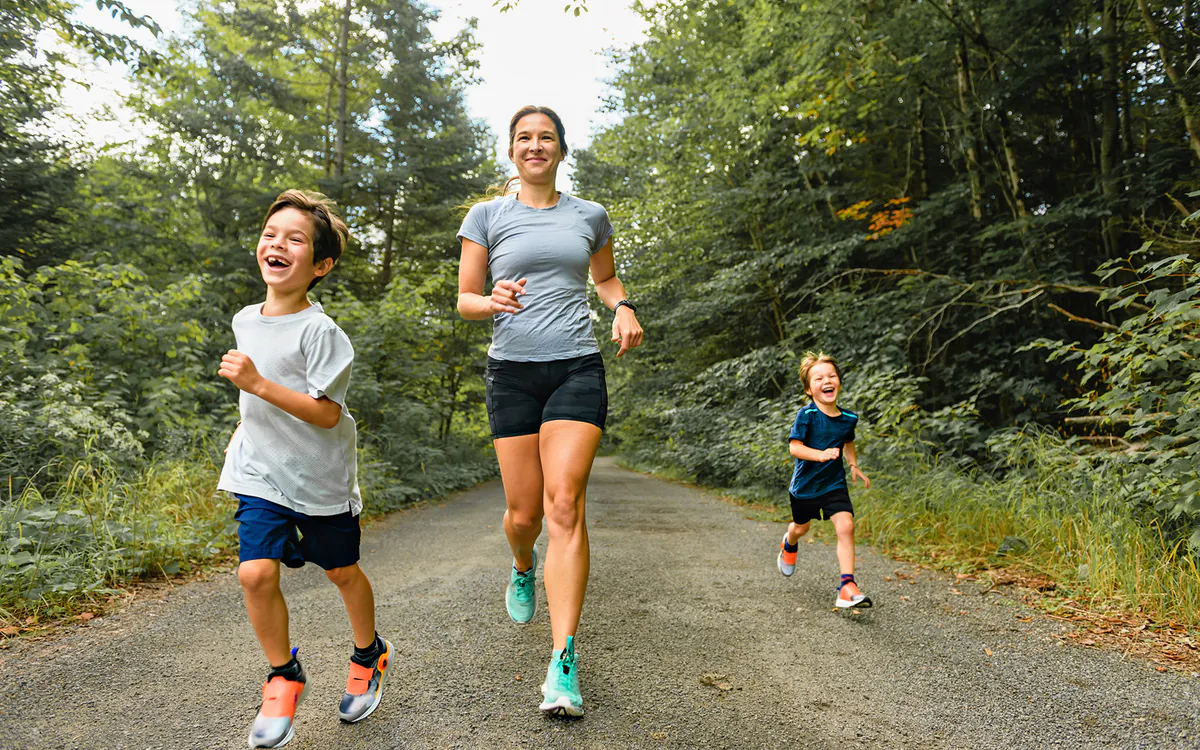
[{"x": 1144, "y": 379}]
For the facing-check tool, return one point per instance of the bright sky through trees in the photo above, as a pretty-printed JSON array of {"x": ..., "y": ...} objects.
[{"x": 532, "y": 54}]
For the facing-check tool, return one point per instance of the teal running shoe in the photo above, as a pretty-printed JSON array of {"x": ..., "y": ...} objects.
[
  {"x": 560, "y": 691},
  {"x": 520, "y": 596}
]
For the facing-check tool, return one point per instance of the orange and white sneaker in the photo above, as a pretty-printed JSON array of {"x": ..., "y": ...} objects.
[
  {"x": 846, "y": 600},
  {"x": 274, "y": 724},
  {"x": 364, "y": 687},
  {"x": 786, "y": 560}
]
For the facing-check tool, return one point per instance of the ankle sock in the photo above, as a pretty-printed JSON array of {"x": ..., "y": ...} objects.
[
  {"x": 789, "y": 547},
  {"x": 290, "y": 671},
  {"x": 846, "y": 578},
  {"x": 365, "y": 657}
]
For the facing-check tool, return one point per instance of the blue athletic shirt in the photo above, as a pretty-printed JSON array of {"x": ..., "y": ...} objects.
[{"x": 819, "y": 431}]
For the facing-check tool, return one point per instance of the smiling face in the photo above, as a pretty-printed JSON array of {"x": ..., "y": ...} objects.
[
  {"x": 536, "y": 149},
  {"x": 285, "y": 252},
  {"x": 823, "y": 384}
]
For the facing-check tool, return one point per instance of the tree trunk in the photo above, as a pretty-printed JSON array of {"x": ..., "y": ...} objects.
[
  {"x": 339, "y": 144},
  {"x": 1110, "y": 144},
  {"x": 1190, "y": 121},
  {"x": 1011, "y": 168},
  {"x": 922, "y": 190},
  {"x": 966, "y": 106}
]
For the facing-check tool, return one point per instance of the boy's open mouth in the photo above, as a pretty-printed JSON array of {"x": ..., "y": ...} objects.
[
  {"x": 274, "y": 261},
  {"x": 828, "y": 389}
]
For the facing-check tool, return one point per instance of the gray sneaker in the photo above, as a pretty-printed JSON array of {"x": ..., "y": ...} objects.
[{"x": 520, "y": 597}]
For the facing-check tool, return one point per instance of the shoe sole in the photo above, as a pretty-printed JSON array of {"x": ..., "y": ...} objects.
[
  {"x": 379, "y": 693},
  {"x": 291, "y": 730},
  {"x": 864, "y": 604},
  {"x": 560, "y": 707}
]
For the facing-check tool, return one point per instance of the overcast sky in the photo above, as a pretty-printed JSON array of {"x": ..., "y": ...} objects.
[{"x": 534, "y": 54}]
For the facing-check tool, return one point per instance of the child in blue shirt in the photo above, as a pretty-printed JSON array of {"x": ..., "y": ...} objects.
[{"x": 821, "y": 435}]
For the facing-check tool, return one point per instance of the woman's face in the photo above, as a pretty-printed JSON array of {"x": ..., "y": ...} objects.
[{"x": 535, "y": 149}]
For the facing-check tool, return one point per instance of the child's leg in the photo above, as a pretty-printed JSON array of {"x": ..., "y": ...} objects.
[
  {"x": 843, "y": 524},
  {"x": 267, "y": 609},
  {"x": 359, "y": 599},
  {"x": 797, "y": 530}
]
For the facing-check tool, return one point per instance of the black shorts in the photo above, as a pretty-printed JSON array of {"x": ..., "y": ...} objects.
[
  {"x": 523, "y": 395},
  {"x": 820, "y": 507}
]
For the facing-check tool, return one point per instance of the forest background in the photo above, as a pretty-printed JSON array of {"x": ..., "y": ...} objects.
[{"x": 986, "y": 210}]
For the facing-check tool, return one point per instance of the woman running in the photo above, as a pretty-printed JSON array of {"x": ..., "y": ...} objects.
[{"x": 546, "y": 393}]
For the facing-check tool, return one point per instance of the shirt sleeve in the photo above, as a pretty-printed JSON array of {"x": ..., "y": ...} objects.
[
  {"x": 850, "y": 436},
  {"x": 327, "y": 362},
  {"x": 800, "y": 428},
  {"x": 602, "y": 229},
  {"x": 475, "y": 225}
]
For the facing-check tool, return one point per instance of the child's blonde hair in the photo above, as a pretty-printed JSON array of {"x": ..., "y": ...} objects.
[{"x": 811, "y": 360}]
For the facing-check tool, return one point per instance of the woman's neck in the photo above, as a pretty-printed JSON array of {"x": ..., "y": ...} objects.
[{"x": 538, "y": 196}]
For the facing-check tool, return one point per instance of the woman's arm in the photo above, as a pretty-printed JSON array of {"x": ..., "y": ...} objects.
[
  {"x": 626, "y": 328},
  {"x": 473, "y": 304}
]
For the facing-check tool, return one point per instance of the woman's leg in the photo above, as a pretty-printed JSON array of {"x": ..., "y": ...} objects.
[
  {"x": 567, "y": 451},
  {"x": 521, "y": 472}
]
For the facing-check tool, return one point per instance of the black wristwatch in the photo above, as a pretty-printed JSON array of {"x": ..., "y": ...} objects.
[{"x": 623, "y": 303}]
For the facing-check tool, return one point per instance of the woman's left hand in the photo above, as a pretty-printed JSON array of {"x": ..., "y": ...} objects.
[{"x": 626, "y": 329}]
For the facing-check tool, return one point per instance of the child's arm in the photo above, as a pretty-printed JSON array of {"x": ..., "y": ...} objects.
[
  {"x": 240, "y": 369},
  {"x": 804, "y": 453},
  {"x": 855, "y": 472}
]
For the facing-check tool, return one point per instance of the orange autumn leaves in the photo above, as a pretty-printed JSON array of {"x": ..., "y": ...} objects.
[{"x": 894, "y": 214}]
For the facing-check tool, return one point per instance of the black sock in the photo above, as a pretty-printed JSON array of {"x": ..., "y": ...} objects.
[
  {"x": 365, "y": 657},
  {"x": 790, "y": 547},
  {"x": 290, "y": 671}
]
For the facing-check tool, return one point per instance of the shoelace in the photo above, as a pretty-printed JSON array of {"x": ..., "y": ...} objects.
[
  {"x": 568, "y": 663},
  {"x": 524, "y": 585}
]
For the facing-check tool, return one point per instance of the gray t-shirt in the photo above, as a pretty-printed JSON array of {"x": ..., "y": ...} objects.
[
  {"x": 282, "y": 458},
  {"x": 552, "y": 247}
]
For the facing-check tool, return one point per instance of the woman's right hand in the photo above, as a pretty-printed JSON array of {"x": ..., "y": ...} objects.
[{"x": 503, "y": 298}]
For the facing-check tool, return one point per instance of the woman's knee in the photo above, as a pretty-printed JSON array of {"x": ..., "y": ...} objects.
[
  {"x": 344, "y": 576},
  {"x": 524, "y": 519},
  {"x": 259, "y": 576},
  {"x": 564, "y": 508}
]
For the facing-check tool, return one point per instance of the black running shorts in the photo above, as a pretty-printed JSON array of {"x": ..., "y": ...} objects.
[
  {"x": 523, "y": 395},
  {"x": 820, "y": 507}
]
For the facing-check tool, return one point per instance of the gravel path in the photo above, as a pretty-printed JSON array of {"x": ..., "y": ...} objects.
[{"x": 690, "y": 639}]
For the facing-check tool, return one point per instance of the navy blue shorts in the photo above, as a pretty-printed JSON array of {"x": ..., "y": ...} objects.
[
  {"x": 820, "y": 507},
  {"x": 269, "y": 531},
  {"x": 523, "y": 395}
]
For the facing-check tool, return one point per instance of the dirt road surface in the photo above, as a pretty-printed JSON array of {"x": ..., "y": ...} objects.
[{"x": 690, "y": 639}]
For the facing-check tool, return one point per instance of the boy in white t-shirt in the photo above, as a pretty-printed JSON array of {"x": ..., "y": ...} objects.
[{"x": 291, "y": 462}]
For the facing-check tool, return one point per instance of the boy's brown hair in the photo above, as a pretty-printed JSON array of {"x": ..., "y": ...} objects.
[
  {"x": 811, "y": 360},
  {"x": 331, "y": 235}
]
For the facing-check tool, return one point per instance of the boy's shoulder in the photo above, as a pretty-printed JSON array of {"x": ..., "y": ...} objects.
[
  {"x": 847, "y": 413},
  {"x": 311, "y": 321}
]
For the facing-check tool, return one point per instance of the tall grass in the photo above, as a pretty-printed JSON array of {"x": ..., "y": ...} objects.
[
  {"x": 102, "y": 528},
  {"x": 1075, "y": 530}
]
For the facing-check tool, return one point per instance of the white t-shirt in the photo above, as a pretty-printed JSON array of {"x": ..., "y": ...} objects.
[{"x": 279, "y": 457}]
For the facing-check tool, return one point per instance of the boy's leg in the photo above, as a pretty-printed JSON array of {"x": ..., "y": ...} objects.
[
  {"x": 267, "y": 609},
  {"x": 359, "y": 599},
  {"x": 843, "y": 524},
  {"x": 797, "y": 530}
]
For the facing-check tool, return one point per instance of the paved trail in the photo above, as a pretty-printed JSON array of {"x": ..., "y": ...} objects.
[{"x": 690, "y": 639}]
